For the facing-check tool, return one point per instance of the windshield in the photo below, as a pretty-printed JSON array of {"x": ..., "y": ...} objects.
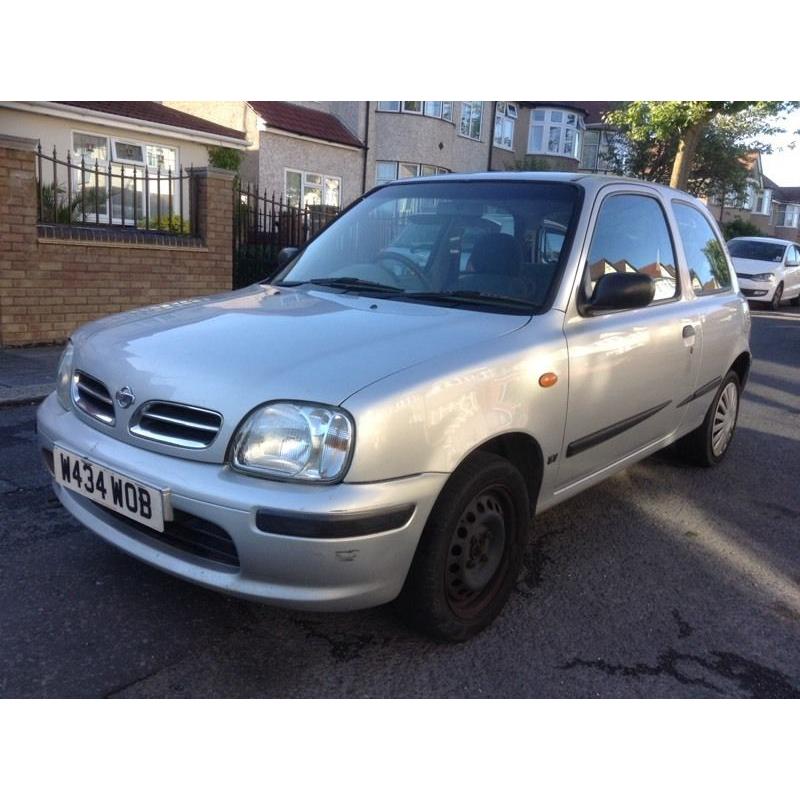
[
  {"x": 468, "y": 241},
  {"x": 757, "y": 251}
]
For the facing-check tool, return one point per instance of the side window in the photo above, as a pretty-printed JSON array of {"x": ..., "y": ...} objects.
[
  {"x": 705, "y": 257},
  {"x": 793, "y": 258},
  {"x": 631, "y": 235}
]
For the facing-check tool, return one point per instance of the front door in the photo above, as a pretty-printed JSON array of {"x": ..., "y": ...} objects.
[{"x": 630, "y": 369}]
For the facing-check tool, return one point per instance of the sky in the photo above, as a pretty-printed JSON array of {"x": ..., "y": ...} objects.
[{"x": 783, "y": 165}]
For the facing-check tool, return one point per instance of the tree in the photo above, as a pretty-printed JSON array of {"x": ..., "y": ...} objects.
[{"x": 693, "y": 144}]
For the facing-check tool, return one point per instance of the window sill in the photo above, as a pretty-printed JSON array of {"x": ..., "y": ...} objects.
[
  {"x": 503, "y": 147},
  {"x": 469, "y": 138}
]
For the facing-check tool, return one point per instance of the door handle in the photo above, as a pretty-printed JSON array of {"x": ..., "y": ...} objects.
[{"x": 688, "y": 331}]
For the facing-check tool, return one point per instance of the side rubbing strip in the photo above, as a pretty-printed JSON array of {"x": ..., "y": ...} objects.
[
  {"x": 593, "y": 439},
  {"x": 704, "y": 389}
]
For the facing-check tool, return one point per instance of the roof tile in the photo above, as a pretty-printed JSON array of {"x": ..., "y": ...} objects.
[{"x": 304, "y": 121}]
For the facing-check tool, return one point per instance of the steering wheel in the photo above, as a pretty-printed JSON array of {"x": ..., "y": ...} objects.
[{"x": 407, "y": 262}]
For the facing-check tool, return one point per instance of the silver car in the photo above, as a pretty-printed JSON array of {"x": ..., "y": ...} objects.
[{"x": 371, "y": 426}]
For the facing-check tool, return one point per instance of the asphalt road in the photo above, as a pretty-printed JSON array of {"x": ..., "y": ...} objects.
[{"x": 665, "y": 581}]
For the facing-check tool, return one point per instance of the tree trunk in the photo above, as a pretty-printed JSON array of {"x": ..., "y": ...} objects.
[{"x": 687, "y": 147}]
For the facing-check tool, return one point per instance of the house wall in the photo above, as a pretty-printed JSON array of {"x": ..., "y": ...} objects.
[
  {"x": 51, "y": 284},
  {"x": 279, "y": 152},
  {"x": 57, "y": 132},
  {"x": 235, "y": 114},
  {"x": 418, "y": 139}
]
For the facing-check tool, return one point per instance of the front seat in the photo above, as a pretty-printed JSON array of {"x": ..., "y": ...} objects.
[{"x": 494, "y": 265}]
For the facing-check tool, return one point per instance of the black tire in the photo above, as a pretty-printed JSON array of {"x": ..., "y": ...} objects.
[
  {"x": 775, "y": 303},
  {"x": 485, "y": 500},
  {"x": 697, "y": 447}
]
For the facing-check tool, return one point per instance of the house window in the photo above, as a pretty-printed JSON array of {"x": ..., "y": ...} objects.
[
  {"x": 504, "y": 121},
  {"x": 89, "y": 147},
  {"x": 763, "y": 202},
  {"x": 791, "y": 216},
  {"x": 386, "y": 171},
  {"x": 471, "y": 117},
  {"x": 312, "y": 189},
  {"x": 555, "y": 132},
  {"x": 596, "y": 151},
  {"x": 141, "y": 193},
  {"x": 439, "y": 109}
]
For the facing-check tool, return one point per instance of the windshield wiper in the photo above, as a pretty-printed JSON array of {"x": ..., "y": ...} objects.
[
  {"x": 346, "y": 283},
  {"x": 458, "y": 297}
]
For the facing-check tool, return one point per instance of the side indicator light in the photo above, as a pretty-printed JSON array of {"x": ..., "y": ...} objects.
[{"x": 548, "y": 379}]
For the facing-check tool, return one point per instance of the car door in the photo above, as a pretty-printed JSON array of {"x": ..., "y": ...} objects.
[
  {"x": 629, "y": 369},
  {"x": 713, "y": 306},
  {"x": 792, "y": 262}
]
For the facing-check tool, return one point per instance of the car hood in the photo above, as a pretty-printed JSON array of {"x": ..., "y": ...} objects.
[
  {"x": 749, "y": 266},
  {"x": 232, "y": 352}
]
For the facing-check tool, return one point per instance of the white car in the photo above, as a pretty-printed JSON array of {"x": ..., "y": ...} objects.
[{"x": 768, "y": 269}]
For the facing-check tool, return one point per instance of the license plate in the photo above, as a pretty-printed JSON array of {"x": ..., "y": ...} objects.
[{"x": 110, "y": 489}]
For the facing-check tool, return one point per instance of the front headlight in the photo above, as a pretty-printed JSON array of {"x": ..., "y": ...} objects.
[
  {"x": 769, "y": 277},
  {"x": 64, "y": 377},
  {"x": 295, "y": 441}
]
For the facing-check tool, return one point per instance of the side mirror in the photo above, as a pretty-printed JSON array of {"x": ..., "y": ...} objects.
[
  {"x": 286, "y": 255},
  {"x": 621, "y": 290}
]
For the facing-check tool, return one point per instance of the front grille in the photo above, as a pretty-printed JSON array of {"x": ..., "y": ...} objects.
[
  {"x": 742, "y": 276},
  {"x": 92, "y": 397},
  {"x": 188, "y": 533},
  {"x": 176, "y": 424}
]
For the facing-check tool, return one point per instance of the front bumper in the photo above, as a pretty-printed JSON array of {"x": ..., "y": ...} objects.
[
  {"x": 311, "y": 572},
  {"x": 762, "y": 291}
]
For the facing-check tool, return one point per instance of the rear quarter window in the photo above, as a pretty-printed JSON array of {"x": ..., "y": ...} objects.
[{"x": 705, "y": 255}]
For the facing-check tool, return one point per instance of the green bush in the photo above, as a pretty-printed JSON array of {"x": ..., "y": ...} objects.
[
  {"x": 225, "y": 158},
  {"x": 739, "y": 227}
]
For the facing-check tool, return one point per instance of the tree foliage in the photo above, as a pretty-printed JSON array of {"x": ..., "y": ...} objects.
[{"x": 699, "y": 146}]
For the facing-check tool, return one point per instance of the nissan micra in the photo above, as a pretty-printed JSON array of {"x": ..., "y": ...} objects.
[{"x": 372, "y": 425}]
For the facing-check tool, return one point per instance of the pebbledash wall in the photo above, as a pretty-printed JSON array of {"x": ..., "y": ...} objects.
[{"x": 52, "y": 282}]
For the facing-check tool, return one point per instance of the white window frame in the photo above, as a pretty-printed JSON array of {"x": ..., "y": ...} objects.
[
  {"x": 503, "y": 116},
  {"x": 139, "y": 169},
  {"x": 304, "y": 173},
  {"x": 763, "y": 203},
  {"x": 445, "y": 106},
  {"x": 791, "y": 215},
  {"x": 418, "y": 166},
  {"x": 562, "y": 125},
  {"x": 469, "y": 104}
]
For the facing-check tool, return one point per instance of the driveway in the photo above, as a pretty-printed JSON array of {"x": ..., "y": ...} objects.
[{"x": 665, "y": 581}]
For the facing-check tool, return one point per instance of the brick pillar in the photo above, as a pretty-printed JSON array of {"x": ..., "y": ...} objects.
[
  {"x": 17, "y": 232},
  {"x": 214, "y": 215}
]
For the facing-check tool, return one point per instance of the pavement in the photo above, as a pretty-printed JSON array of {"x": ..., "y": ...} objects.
[
  {"x": 664, "y": 581},
  {"x": 27, "y": 373}
]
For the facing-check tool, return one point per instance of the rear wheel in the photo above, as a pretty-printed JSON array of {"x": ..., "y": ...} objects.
[
  {"x": 470, "y": 552},
  {"x": 707, "y": 445},
  {"x": 775, "y": 303},
  {"x": 795, "y": 301}
]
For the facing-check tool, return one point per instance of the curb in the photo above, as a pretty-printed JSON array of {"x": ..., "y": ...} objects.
[{"x": 28, "y": 394}]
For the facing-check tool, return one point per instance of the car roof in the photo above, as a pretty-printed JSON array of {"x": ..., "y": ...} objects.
[
  {"x": 768, "y": 239},
  {"x": 587, "y": 180}
]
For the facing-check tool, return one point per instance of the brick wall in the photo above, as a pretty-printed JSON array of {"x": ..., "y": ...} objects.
[{"x": 50, "y": 286}]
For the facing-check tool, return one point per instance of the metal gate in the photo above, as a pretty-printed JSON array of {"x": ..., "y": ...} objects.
[{"x": 263, "y": 225}]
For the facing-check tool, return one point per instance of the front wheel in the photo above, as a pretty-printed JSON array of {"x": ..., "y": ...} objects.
[
  {"x": 707, "y": 445},
  {"x": 470, "y": 552}
]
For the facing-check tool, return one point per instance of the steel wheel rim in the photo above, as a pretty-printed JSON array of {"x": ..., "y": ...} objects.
[
  {"x": 477, "y": 552},
  {"x": 724, "y": 419}
]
